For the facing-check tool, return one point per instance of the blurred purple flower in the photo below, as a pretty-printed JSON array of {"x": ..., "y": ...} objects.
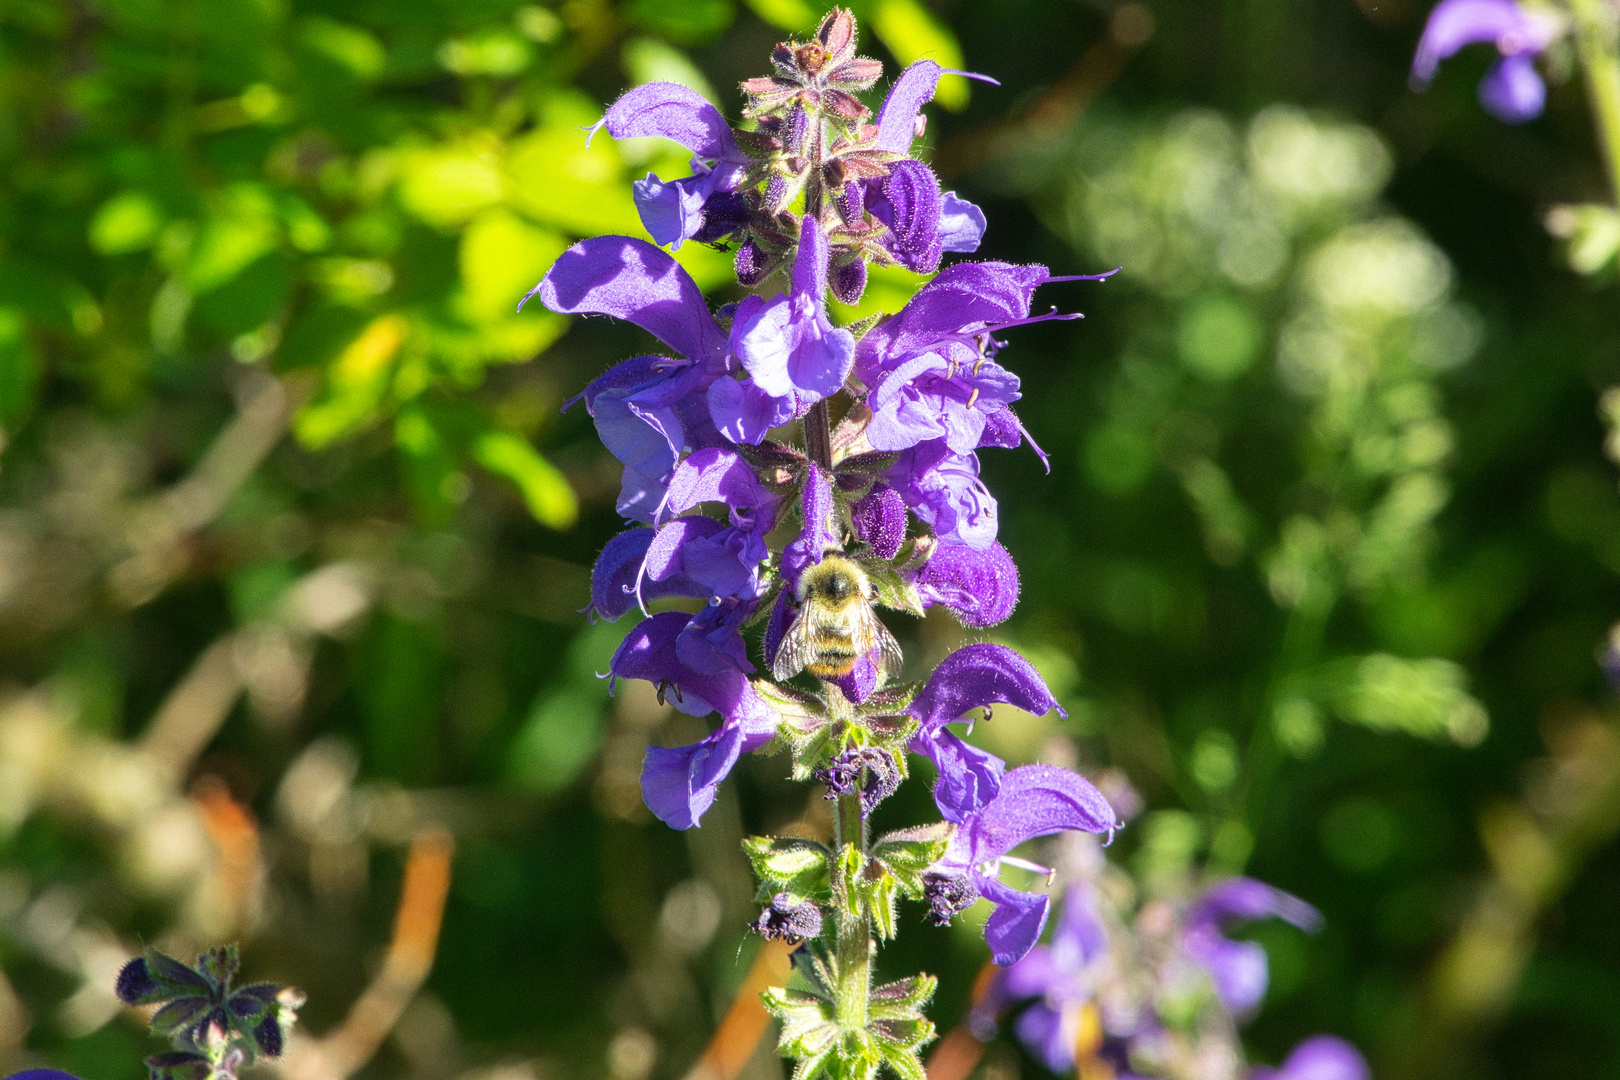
[
  {"x": 1059, "y": 977},
  {"x": 1321, "y": 1057},
  {"x": 1035, "y": 800},
  {"x": 1511, "y": 90},
  {"x": 1239, "y": 969}
]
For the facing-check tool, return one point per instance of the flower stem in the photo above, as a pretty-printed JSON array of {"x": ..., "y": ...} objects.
[
  {"x": 818, "y": 436},
  {"x": 854, "y": 943},
  {"x": 1595, "y": 41}
]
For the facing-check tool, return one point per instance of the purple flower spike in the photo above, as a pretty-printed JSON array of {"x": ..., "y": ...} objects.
[
  {"x": 1512, "y": 91},
  {"x": 979, "y": 587},
  {"x": 879, "y": 518},
  {"x": 679, "y": 784},
  {"x": 1321, "y": 1057},
  {"x": 788, "y": 344},
  {"x": 1036, "y": 800},
  {"x": 1238, "y": 968}
]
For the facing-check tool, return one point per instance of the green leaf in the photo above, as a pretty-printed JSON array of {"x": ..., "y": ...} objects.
[
  {"x": 903, "y": 999},
  {"x": 808, "y": 1026},
  {"x": 879, "y": 891},
  {"x": 545, "y": 489},
  {"x": 908, "y": 852},
  {"x": 789, "y": 864},
  {"x": 894, "y": 591},
  {"x": 902, "y": 1059}
]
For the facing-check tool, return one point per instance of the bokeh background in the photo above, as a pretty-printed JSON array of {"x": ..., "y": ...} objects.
[{"x": 293, "y": 534}]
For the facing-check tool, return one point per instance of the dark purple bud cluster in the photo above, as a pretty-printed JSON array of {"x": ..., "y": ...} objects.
[
  {"x": 843, "y": 775},
  {"x": 788, "y": 918},
  {"x": 215, "y": 1029}
]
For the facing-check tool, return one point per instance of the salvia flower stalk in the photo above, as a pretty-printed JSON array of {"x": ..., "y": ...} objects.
[{"x": 783, "y": 470}]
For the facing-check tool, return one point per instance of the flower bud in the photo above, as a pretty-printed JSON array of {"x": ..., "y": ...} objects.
[
  {"x": 848, "y": 282},
  {"x": 788, "y": 918},
  {"x": 879, "y": 518},
  {"x": 980, "y": 587},
  {"x": 753, "y": 265}
]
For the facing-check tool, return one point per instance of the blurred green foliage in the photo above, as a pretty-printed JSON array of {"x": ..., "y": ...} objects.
[{"x": 288, "y": 510}]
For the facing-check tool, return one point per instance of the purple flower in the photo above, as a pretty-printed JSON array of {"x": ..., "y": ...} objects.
[
  {"x": 790, "y": 349},
  {"x": 618, "y": 569},
  {"x": 1035, "y": 800},
  {"x": 648, "y": 409},
  {"x": 1511, "y": 90},
  {"x": 923, "y": 222},
  {"x": 679, "y": 784},
  {"x": 677, "y": 211},
  {"x": 1059, "y": 977},
  {"x": 971, "y": 677},
  {"x": 723, "y": 557},
  {"x": 1238, "y": 969},
  {"x": 947, "y": 394},
  {"x": 944, "y": 490},
  {"x": 980, "y": 587},
  {"x": 1321, "y": 1057}
]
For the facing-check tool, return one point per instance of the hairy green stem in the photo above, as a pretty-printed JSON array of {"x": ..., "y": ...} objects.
[
  {"x": 854, "y": 944},
  {"x": 1599, "y": 51}
]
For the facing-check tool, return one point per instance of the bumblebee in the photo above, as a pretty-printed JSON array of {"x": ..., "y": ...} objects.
[{"x": 836, "y": 624}]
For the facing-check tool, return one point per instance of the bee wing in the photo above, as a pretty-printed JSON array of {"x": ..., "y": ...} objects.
[
  {"x": 796, "y": 649},
  {"x": 871, "y": 633}
]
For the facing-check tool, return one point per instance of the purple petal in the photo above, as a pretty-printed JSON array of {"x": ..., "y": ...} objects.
[
  {"x": 1324, "y": 1057},
  {"x": 675, "y": 112},
  {"x": 1015, "y": 926},
  {"x": 1512, "y": 90},
  {"x": 980, "y": 587},
  {"x": 961, "y": 224},
  {"x": 969, "y": 777},
  {"x": 1247, "y": 899},
  {"x": 780, "y": 619},
  {"x": 897, "y": 119},
  {"x": 714, "y": 474},
  {"x": 679, "y": 785},
  {"x": 912, "y": 192},
  {"x": 744, "y": 413},
  {"x": 632, "y": 280},
  {"x": 1035, "y": 800},
  {"x": 613, "y": 578},
  {"x": 788, "y": 344},
  {"x": 879, "y": 518},
  {"x": 859, "y": 682},
  {"x": 672, "y": 212},
  {"x": 943, "y": 489},
  {"x": 982, "y": 674},
  {"x": 816, "y": 535},
  {"x": 1456, "y": 23}
]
